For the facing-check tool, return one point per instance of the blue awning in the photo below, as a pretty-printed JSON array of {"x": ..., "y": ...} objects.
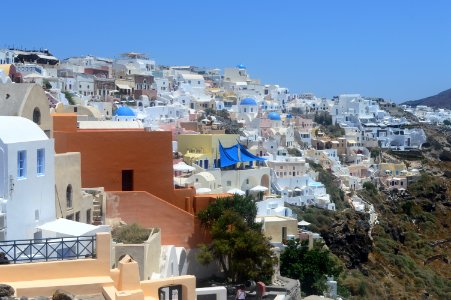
[
  {"x": 227, "y": 159},
  {"x": 235, "y": 154},
  {"x": 245, "y": 155}
]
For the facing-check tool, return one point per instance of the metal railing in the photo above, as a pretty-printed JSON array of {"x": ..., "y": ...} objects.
[{"x": 35, "y": 250}]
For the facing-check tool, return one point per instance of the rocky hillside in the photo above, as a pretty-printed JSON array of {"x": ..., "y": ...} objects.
[
  {"x": 406, "y": 254},
  {"x": 441, "y": 100}
]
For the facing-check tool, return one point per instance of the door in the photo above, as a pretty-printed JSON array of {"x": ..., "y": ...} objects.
[
  {"x": 172, "y": 292},
  {"x": 127, "y": 180}
]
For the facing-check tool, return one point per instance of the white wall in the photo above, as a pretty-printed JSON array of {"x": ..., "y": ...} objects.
[{"x": 32, "y": 193}]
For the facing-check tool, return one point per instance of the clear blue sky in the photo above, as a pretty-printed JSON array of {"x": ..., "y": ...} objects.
[{"x": 399, "y": 50}]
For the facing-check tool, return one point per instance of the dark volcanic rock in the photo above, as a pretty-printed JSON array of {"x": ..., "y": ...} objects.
[
  {"x": 6, "y": 290},
  {"x": 62, "y": 295},
  {"x": 348, "y": 238},
  {"x": 3, "y": 259}
]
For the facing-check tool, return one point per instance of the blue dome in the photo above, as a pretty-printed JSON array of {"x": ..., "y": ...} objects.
[
  {"x": 274, "y": 116},
  {"x": 241, "y": 66},
  {"x": 124, "y": 111},
  {"x": 248, "y": 101}
]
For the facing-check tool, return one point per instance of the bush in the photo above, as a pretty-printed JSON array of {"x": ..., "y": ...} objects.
[
  {"x": 130, "y": 234},
  {"x": 69, "y": 98},
  {"x": 445, "y": 155},
  {"x": 370, "y": 187}
]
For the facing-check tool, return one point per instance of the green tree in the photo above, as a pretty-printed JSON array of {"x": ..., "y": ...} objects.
[
  {"x": 370, "y": 187},
  {"x": 237, "y": 241},
  {"x": 375, "y": 152},
  {"x": 46, "y": 84},
  {"x": 309, "y": 266},
  {"x": 69, "y": 98},
  {"x": 447, "y": 122}
]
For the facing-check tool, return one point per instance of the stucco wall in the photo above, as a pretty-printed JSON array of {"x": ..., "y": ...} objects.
[
  {"x": 178, "y": 227},
  {"x": 146, "y": 254},
  {"x": 31, "y": 200},
  {"x": 273, "y": 228},
  {"x": 105, "y": 153},
  {"x": 67, "y": 171},
  {"x": 37, "y": 98}
]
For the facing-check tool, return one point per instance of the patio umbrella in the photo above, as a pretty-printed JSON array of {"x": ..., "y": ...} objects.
[
  {"x": 259, "y": 188},
  {"x": 236, "y": 191},
  {"x": 303, "y": 223},
  {"x": 203, "y": 191},
  {"x": 183, "y": 167}
]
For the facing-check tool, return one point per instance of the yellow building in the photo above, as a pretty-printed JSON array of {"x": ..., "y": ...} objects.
[
  {"x": 278, "y": 228},
  {"x": 203, "y": 149}
]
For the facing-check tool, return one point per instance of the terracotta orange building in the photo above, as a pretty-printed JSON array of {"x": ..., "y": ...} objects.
[
  {"x": 122, "y": 159},
  {"x": 136, "y": 168}
]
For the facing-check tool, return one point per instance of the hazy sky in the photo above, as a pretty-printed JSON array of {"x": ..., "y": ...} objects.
[{"x": 399, "y": 50}]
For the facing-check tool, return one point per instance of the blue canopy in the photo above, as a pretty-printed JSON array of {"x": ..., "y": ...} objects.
[
  {"x": 227, "y": 156},
  {"x": 235, "y": 154},
  {"x": 245, "y": 155}
]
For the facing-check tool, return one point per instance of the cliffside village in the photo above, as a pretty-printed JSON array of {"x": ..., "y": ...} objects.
[{"x": 88, "y": 143}]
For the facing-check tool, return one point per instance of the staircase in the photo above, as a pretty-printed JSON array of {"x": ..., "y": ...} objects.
[
  {"x": 97, "y": 197},
  {"x": 97, "y": 216}
]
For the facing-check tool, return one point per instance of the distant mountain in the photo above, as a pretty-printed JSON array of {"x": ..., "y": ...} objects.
[{"x": 441, "y": 100}]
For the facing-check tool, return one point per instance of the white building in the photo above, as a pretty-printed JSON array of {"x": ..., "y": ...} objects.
[
  {"x": 4, "y": 78},
  {"x": 124, "y": 113},
  {"x": 6, "y": 56},
  {"x": 165, "y": 114},
  {"x": 27, "y": 179},
  {"x": 133, "y": 64},
  {"x": 247, "y": 110},
  {"x": 85, "y": 85}
]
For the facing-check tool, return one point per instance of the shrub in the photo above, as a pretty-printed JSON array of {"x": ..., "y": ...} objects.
[
  {"x": 445, "y": 155},
  {"x": 130, "y": 234},
  {"x": 370, "y": 187}
]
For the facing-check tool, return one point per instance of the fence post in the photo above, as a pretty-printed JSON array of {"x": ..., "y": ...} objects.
[{"x": 14, "y": 257}]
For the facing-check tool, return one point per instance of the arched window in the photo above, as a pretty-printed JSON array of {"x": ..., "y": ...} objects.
[
  {"x": 69, "y": 196},
  {"x": 37, "y": 116}
]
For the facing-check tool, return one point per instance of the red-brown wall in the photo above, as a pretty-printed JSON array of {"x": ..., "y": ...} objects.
[
  {"x": 178, "y": 227},
  {"x": 105, "y": 153}
]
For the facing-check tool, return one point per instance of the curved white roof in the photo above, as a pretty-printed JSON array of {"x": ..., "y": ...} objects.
[{"x": 18, "y": 130}]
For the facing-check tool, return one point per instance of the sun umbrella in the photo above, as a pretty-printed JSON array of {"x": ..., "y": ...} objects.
[
  {"x": 236, "y": 191},
  {"x": 259, "y": 188},
  {"x": 183, "y": 167},
  {"x": 303, "y": 223}
]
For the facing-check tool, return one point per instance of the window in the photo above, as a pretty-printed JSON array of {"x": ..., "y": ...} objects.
[
  {"x": 40, "y": 161},
  {"x": 22, "y": 164},
  {"x": 77, "y": 216},
  {"x": 69, "y": 196},
  {"x": 229, "y": 183},
  {"x": 37, "y": 116}
]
